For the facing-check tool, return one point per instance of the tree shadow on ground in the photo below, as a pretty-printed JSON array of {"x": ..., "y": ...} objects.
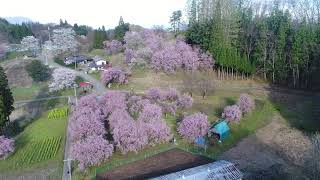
[{"x": 298, "y": 110}]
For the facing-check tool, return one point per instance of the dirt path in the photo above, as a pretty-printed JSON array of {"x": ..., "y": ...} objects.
[{"x": 275, "y": 145}]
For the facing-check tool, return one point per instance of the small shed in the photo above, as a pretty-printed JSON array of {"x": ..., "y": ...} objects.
[
  {"x": 221, "y": 129},
  {"x": 85, "y": 85}
]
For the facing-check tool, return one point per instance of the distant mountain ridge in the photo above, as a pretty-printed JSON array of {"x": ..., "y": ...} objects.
[{"x": 18, "y": 20}]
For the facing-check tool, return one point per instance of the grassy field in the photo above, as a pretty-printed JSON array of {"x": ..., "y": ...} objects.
[
  {"x": 22, "y": 93},
  {"x": 41, "y": 144}
]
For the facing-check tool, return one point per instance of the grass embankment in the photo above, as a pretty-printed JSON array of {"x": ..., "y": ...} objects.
[{"x": 41, "y": 144}]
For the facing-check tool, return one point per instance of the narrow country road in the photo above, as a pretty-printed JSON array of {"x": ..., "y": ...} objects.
[{"x": 99, "y": 89}]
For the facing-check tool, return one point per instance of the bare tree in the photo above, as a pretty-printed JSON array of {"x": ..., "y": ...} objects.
[{"x": 197, "y": 81}]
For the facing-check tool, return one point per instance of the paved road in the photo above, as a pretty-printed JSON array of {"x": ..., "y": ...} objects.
[{"x": 99, "y": 89}]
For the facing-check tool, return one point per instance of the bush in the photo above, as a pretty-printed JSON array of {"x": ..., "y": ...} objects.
[
  {"x": 6, "y": 146},
  {"x": 38, "y": 71}
]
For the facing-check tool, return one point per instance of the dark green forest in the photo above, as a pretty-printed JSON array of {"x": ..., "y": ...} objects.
[
  {"x": 14, "y": 32},
  {"x": 277, "y": 40}
]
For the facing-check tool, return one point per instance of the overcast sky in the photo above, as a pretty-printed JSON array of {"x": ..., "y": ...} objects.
[{"x": 94, "y": 13}]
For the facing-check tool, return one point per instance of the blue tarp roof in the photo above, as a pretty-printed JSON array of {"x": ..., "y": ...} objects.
[
  {"x": 200, "y": 141},
  {"x": 222, "y": 129}
]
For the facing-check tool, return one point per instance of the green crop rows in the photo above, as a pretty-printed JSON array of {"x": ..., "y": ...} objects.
[
  {"x": 40, "y": 150},
  {"x": 58, "y": 113}
]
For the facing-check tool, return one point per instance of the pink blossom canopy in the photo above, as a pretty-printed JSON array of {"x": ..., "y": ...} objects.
[
  {"x": 193, "y": 126},
  {"x": 232, "y": 113},
  {"x": 245, "y": 103},
  {"x": 91, "y": 151}
]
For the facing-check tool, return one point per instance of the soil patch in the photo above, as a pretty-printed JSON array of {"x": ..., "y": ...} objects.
[{"x": 164, "y": 163}]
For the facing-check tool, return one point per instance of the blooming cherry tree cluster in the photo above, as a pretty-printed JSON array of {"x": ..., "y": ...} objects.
[
  {"x": 128, "y": 134},
  {"x": 114, "y": 75},
  {"x": 87, "y": 119},
  {"x": 113, "y": 47},
  {"x": 232, "y": 113},
  {"x": 62, "y": 40},
  {"x": 86, "y": 127},
  {"x": 131, "y": 122},
  {"x": 6, "y": 147},
  {"x": 193, "y": 126},
  {"x": 62, "y": 79},
  {"x": 91, "y": 151},
  {"x": 245, "y": 103},
  {"x": 170, "y": 100},
  {"x": 113, "y": 100},
  {"x": 162, "y": 53},
  {"x": 150, "y": 112}
]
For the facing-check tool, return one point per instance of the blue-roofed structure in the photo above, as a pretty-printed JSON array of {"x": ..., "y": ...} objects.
[{"x": 221, "y": 129}]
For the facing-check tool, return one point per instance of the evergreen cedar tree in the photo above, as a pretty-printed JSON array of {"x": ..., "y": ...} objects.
[
  {"x": 6, "y": 147},
  {"x": 6, "y": 98},
  {"x": 120, "y": 121},
  {"x": 193, "y": 126},
  {"x": 15, "y": 32},
  {"x": 278, "y": 45}
]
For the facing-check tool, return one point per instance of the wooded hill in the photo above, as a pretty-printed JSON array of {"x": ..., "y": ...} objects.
[{"x": 278, "y": 40}]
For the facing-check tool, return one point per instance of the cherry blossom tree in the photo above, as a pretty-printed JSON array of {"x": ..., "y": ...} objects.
[
  {"x": 154, "y": 94},
  {"x": 134, "y": 40},
  {"x": 6, "y": 147},
  {"x": 150, "y": 112},
  {"x": 113, "y": 100},
  {"x": 91, "y": 151},
  {"x": 136, "y": 104},
  {"x": 157, "y": 132},
  {"x": 87, "y": 119},
  {"x": 145, "y": 54},
  {"x": 193, "y": 126},
  {"x": 113, "y": 47},
  {"x": 245, "y": 103},
  {"x": 129, "y": 55},
  {"x": 172, "y": 94},
  {"x": 30, "y": 43},
  {"x": 185, "y": 101},
  {"x": 128, "y": 135},
  {"x": 63, "y": 40},
  {"x": 62, "y": 79},
  {"x": 232, "y": 113},
  {"x": 114, "y": 75},
  {"x": 169, "y": 108}
]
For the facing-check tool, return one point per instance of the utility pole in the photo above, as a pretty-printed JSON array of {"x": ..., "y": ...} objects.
[
  {"x": 69, "y": 166},
  {"x": 75, "y": 93}
]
